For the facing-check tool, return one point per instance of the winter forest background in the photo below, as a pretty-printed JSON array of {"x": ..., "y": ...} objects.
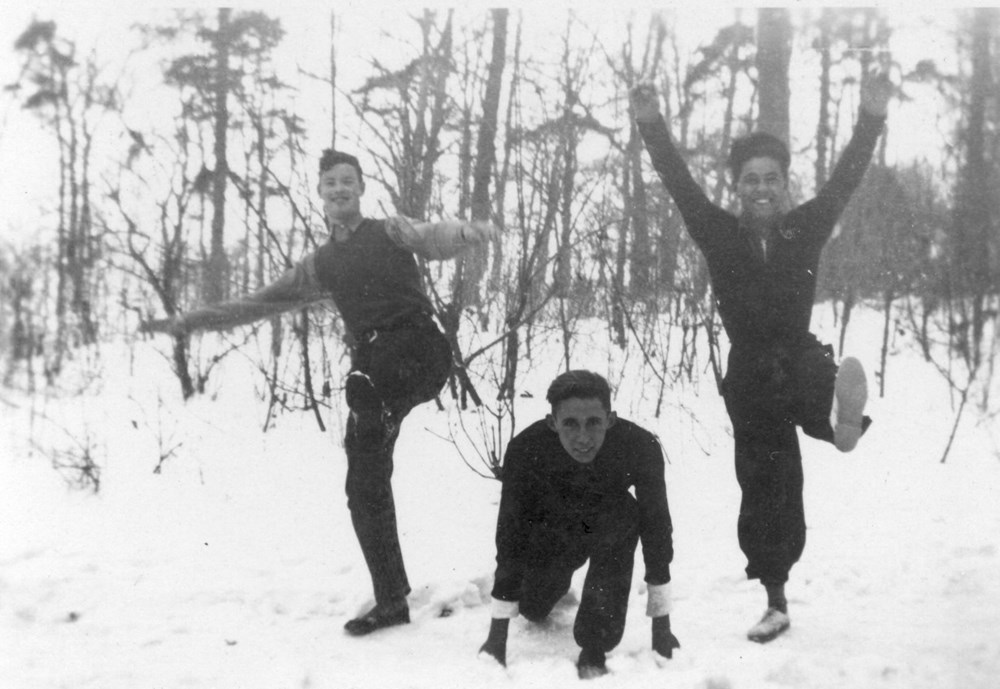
[
  {"x": 177, "y": 161},
  {"x": 156, "y": 160}
]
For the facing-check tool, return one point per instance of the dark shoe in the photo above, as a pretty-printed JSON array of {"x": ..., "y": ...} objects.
[
  {"x": 590, "y": 664},
  {"x": 773, "y": 624},
  {"x": 850, "y": 394},
  {"x": 378, "y": 618}
]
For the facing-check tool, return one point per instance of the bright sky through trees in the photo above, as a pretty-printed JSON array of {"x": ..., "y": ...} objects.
[{"x": 918, "y": 128}]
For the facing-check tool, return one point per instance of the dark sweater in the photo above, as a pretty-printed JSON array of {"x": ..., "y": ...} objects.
[
  {"x": 763, "y": 300},
  {"x": 543, "y": 485},
  {"x": 374, "y": 282}
]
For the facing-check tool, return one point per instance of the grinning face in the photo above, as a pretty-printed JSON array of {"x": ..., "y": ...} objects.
[
  {"x": 581, "y": 424},
  {"x": 340, "y": 188},
  {"x": 762, "y": 189}
]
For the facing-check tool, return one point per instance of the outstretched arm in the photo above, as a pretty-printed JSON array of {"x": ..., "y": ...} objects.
[
  {"x": 297, "y": 287},
  {"x": 439, "y": 240}
]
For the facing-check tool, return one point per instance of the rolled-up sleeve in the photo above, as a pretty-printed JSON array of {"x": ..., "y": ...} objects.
[{"x": 436, "y": 241}]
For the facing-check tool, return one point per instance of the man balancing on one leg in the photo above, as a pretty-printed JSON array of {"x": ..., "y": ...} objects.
[
  {"x": 566, "y": 499},
  {"x": 763, "y": 266},
  {"x": 399, "y": 357}
]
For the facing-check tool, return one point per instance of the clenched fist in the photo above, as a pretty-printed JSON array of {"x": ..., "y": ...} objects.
[
  {"x": 645, "y": 102},
  {"x": 876, "y": 90}
]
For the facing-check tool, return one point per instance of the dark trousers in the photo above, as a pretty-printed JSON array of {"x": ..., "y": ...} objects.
[
  {"x": 608, "y": 539},
  {"x": 768, "y": 392},
  {"x": 408, "y": 366}
]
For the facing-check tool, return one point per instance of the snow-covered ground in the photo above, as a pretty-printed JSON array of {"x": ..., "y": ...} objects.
[{"x": 235, "y": 566}]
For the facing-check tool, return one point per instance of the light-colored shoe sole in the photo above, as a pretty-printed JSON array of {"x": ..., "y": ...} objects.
[
  {"x": 771, "y": 626},
  {"x": 850, "y": 394}
]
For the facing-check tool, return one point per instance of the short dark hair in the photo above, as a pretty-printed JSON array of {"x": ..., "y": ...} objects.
[
  {"x": 331, "y": 157},
  {"x": 757, "y": 145},
  {"x": 580, "y": 384}
]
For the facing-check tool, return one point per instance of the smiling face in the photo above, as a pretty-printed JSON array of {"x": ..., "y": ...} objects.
[
  {"x": 341, "y": 188},
  {"x": 581, "y": 424},
  {"x": 762, "y": 190}
]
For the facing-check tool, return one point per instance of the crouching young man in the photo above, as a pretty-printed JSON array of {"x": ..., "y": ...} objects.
[{"x": 565, "y": 499}]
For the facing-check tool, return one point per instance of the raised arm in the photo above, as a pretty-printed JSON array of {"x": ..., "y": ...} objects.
[
  {"x": 850, "y": 169},
  {"x": 295, "y": 288},
  {"x": 439, "y": 240},
  {"x": 700, "y": 214}
]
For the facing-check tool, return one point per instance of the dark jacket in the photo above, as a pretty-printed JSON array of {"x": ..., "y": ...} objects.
[
  {"x": 543, "y": 487},
  {"x": 763, "y": 301}
]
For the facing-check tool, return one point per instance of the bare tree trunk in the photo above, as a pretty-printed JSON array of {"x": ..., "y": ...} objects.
[
  {"x": 774, "y": 46},
  {"x": 973, "y": 214},
  {"x": 486, "y": 144},
  {"x": 722, "y": 176},
  {"x": 823, "y": 131},
  {"x": 90, "y": 252},
  {"x": 53, "y": 362},
  {"x": 642, "y": 254},
  {"x": 180, "y": 356},
  {"x": 333, "y": 79},
  {"x": 568, "y": 139},
  {"x": 618, "y": 277},
  {"x": 217, "y": 275},
  {"x": 887, "y": 300},
  {"x": 474, "y": 264},
  {"x": 500, "y": 194}
]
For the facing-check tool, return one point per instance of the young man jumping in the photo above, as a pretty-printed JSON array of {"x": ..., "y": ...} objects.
[
  {"x": 399, "y": 357},
  {"x": 763, "y": 265}
]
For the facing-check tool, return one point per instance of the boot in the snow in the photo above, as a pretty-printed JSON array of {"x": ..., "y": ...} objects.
[{"x": 772, "y": 625}]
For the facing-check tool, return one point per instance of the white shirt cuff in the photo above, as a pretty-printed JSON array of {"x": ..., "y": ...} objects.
[
  {"x": 659, "y": 602},
  {"x": 504, "y": 609}
]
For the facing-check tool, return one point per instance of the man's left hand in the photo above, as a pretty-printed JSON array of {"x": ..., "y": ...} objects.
[{"x": 664, "y": 641}]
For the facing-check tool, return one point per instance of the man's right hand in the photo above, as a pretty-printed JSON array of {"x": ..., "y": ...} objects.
[
  {"x": 876, "y": 91},
  {"x": 496, "y": 649},
  {"x": 645, "y": 102}
]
